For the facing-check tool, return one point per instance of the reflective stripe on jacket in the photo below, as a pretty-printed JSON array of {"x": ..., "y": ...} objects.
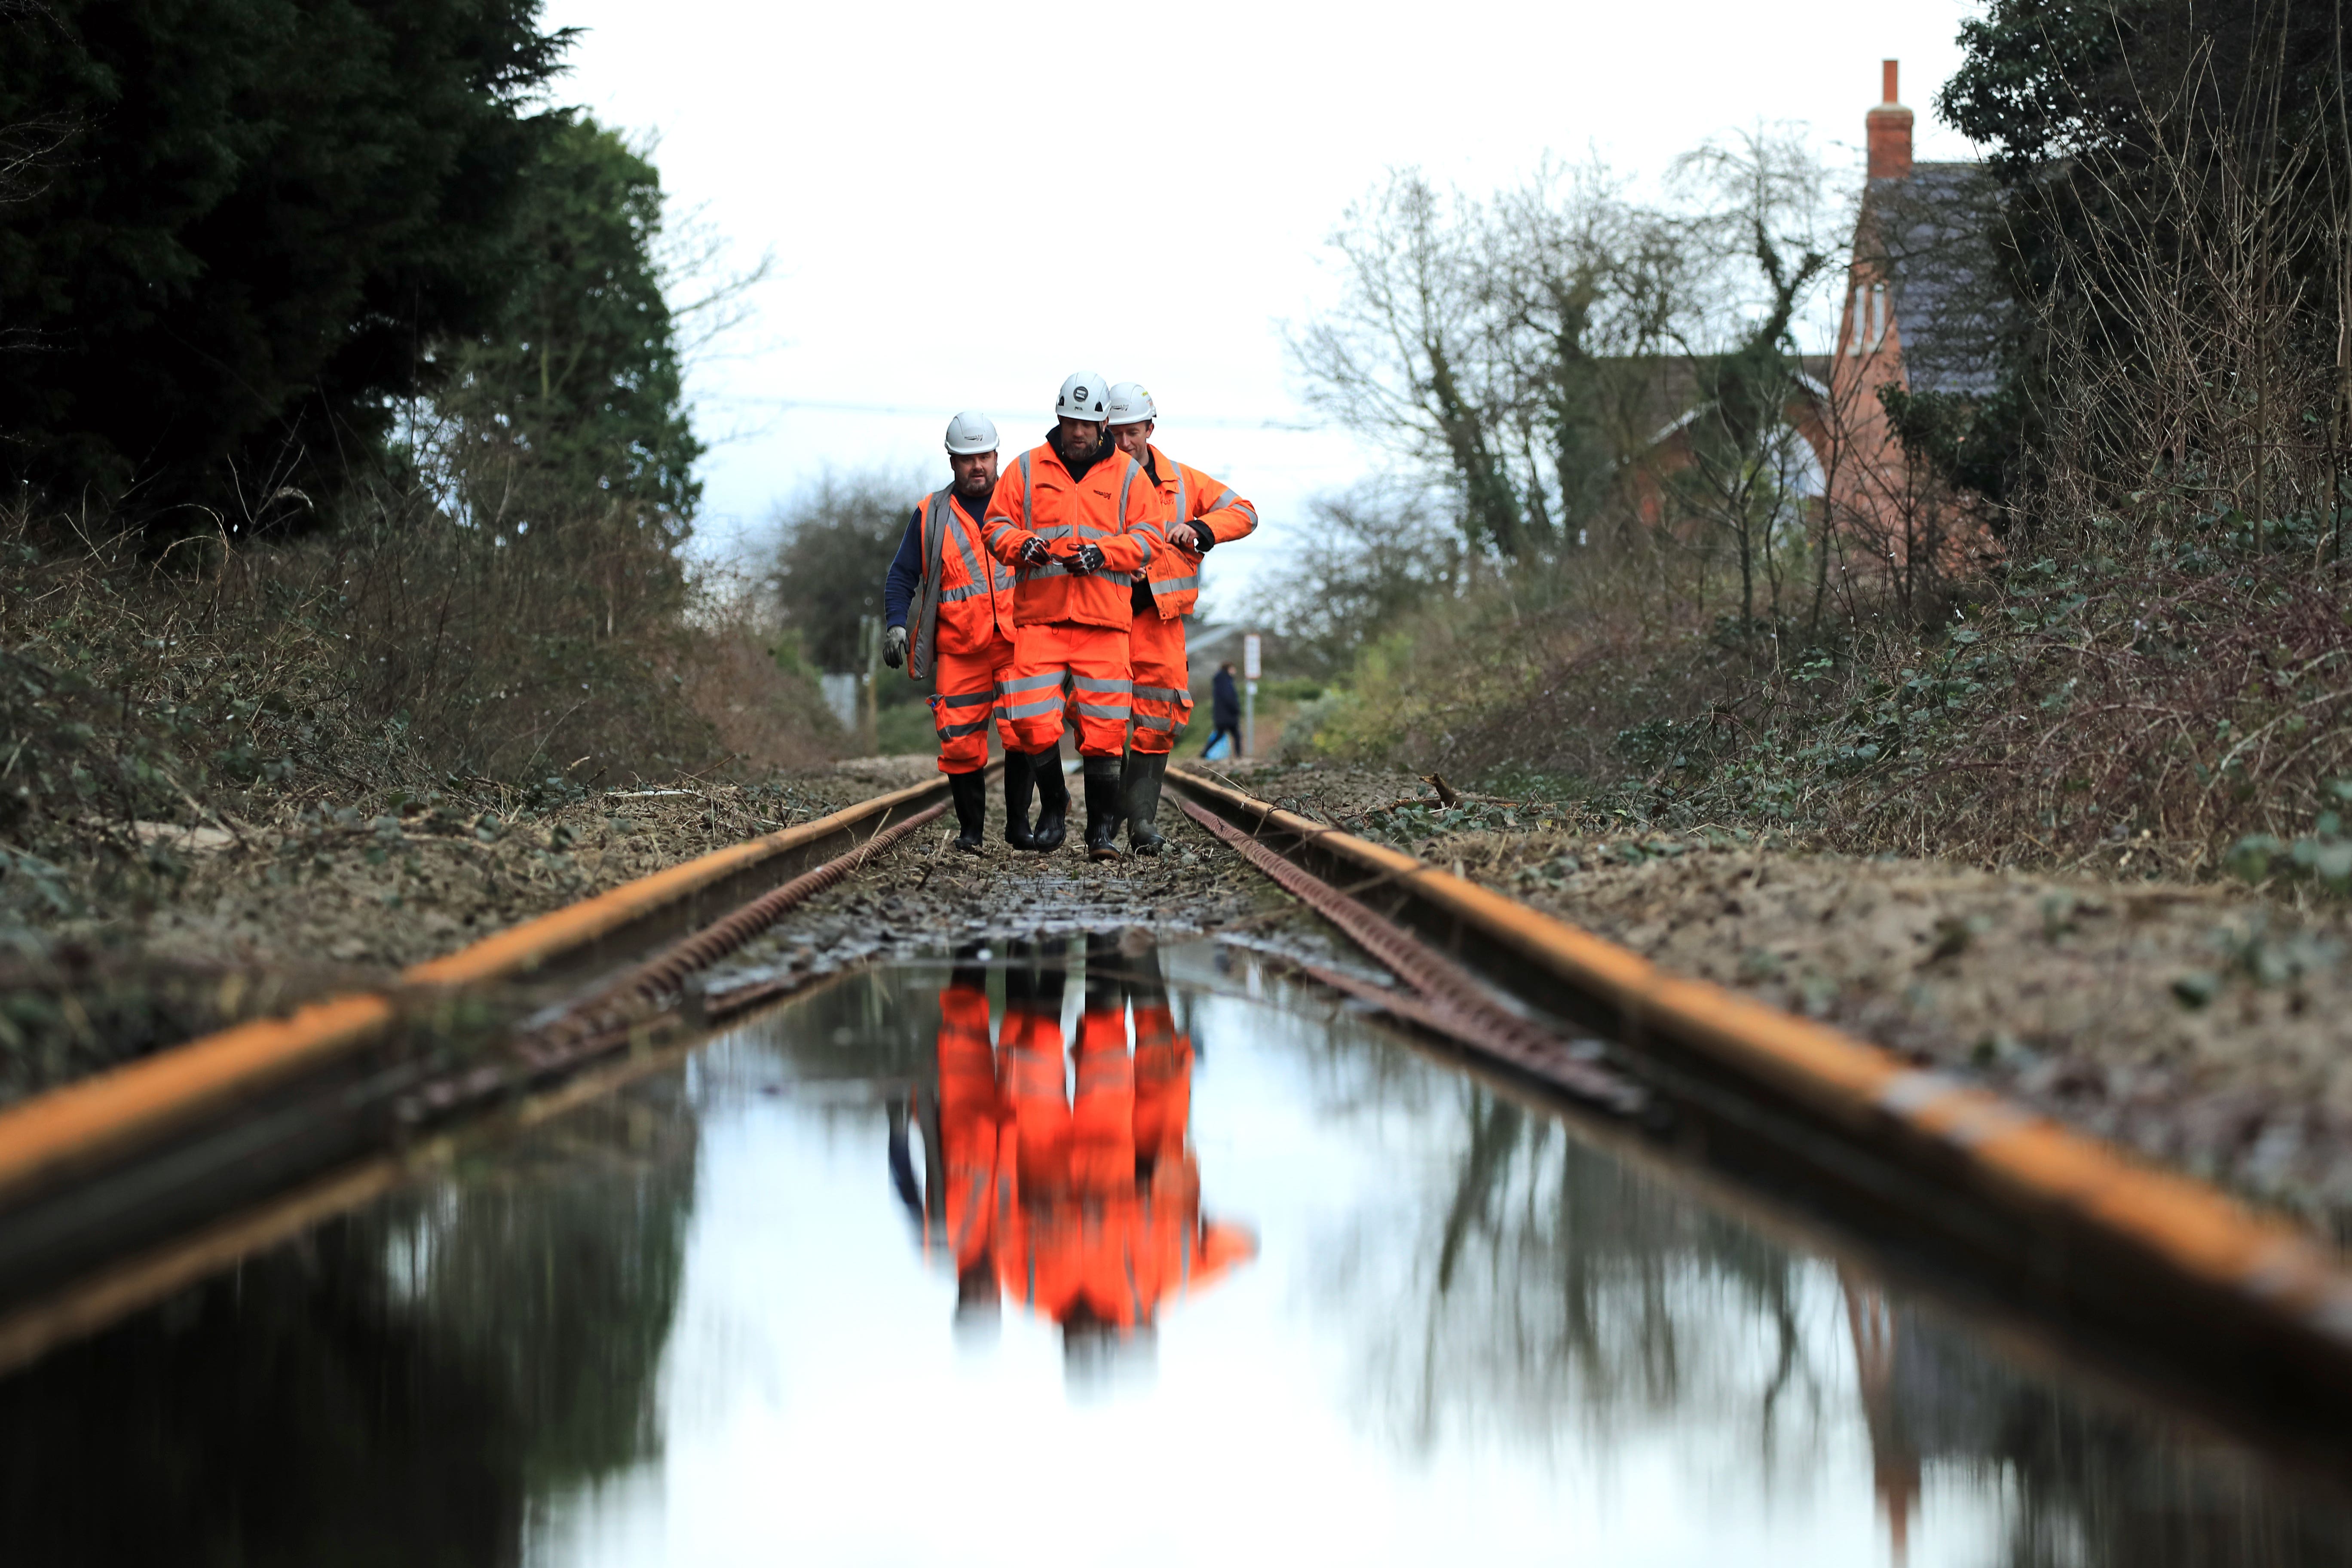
[
  {"x": 1188, "y": 495},
  {"x": 1114, "y": 508},
  {"x": 965, "y": 599}
]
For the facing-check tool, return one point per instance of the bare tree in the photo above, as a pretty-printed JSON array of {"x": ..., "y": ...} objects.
[
  {"x": 1408, "y": 358},
  {"x": 1373, "y": 554},
  {"x": 1748, "y": 469}
]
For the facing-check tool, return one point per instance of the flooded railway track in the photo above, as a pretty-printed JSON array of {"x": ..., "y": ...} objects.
[
  {"x": 2150, "y": 1273},
  {"x": 119, "y": 1191}
]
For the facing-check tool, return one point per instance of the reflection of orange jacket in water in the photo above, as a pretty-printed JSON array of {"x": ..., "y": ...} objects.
[
  {"x": 1106, "y": 1210},
  {"x": 970, "y": 1114}
]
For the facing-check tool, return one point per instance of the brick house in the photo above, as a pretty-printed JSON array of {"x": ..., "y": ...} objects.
[
  {"x": 1923, "y": 313},
  {"x": 1920, "y": 314}
]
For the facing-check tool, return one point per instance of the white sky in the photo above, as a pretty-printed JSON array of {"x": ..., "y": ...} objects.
[{"x": 966, "y": 205}]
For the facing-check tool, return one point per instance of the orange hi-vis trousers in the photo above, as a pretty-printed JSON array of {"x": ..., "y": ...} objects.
[
  {"x": 1163, "y": 1082},
  {"x": 1102, "y": 1112},
  {"x": 969, "y": 1110},
  {"x": 1094, "y": 660},
  {"x": 1162, "y": 702},
  {"x": 1036, "y": 1099},
  {"x": 964, "y": 700}
]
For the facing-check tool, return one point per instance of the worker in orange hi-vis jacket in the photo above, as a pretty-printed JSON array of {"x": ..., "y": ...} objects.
[
  {"x": 970, "y": 1186},
  {"x": 947, "y": 604},
  {"x": 1080, "y": 522},
  {"x": 1197, "y": 514}
]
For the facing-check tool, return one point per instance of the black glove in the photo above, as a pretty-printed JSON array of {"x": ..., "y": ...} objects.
[
  {"x": 894, "y": 646},
  {"x": 1033, "y": 553},
  {"x": 1090, "y": 558}
]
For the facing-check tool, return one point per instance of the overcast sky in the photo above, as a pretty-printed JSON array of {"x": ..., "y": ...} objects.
[{"x": 965, "y": 203}]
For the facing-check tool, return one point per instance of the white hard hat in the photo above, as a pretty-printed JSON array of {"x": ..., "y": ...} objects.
[
  {"x": 1130, "y": 404},
  {"x": 1082, "y": 396},
  {"x": 971, "y": 433}
]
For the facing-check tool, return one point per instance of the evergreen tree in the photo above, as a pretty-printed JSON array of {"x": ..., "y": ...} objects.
[
  {"x": 574, "y": 404},
  {"x": 267, "y": 210}
]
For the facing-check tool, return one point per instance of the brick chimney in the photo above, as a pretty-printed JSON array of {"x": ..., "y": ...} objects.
[{"x": 1890, "y": 135}]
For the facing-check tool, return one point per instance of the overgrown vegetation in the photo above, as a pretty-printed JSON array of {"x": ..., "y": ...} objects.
[
  {"x": 833, "y": 542},
  {"x": 401, "y": 651},
  {"x": 350, "y": 455},
  {"x": 2097, "y": 618}
]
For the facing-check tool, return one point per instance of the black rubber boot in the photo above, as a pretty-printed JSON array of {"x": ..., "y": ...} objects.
[
  {"x": 1102, "y": 808},
  {"x": 1138, "y": 788},
  {"x": 1052, "y": 799},
  {"x": 970, "y": 793},
  {"x": 1017, "y": 782}
]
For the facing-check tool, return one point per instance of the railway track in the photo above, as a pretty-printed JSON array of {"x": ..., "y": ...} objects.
[
  {"x": 2152, "y": 1277},
  {"x": 118, "y": 1190}
]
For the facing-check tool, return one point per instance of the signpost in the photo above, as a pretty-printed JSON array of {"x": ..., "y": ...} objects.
[{"x": 1251, "y": 648}]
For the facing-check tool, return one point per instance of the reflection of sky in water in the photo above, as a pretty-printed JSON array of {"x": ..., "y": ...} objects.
[{"x": 1322, "y": 1404}]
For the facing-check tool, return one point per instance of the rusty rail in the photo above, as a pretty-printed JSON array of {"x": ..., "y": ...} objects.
[
  {"x": 1445, "y": 999},
  {"x": 131, "y": 1159}
]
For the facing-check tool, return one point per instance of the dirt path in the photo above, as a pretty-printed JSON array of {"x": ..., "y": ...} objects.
[
  {"x": 2205, "y": 1027},
  {"x": 925, "y": 898}
]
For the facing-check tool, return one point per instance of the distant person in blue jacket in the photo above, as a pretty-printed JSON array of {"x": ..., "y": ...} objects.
[{"x": 1224, "y": 713}]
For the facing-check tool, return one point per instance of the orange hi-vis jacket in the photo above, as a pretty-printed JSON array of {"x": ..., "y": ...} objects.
[
  {"x": 1188, "y": 495},
  {"x": 964, "y": 600},
  {"x": 1113, "y": 508},
  {"x": 1081, "y": 1230}
]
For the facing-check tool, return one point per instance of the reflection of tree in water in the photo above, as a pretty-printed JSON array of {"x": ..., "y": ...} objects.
[
  {"x": 397, "y": 1388},
  {"x": 2090, "y": 1483},
  {"x": 1549, "y": 1284},
  {"x": 1541, "y": 1284}
]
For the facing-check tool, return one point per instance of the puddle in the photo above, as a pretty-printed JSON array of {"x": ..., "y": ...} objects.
[{"x": 1238, "y": 1279}]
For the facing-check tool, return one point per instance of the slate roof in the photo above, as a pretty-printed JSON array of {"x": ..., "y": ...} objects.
[{"x": 1933, "y": 230}]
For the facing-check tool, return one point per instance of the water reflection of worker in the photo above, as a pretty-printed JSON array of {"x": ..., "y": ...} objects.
[
  {"x": 960, "y": 1132},
  {"x": 1099, "y": 1237},
  {"x": 1086, "y": 1205}
]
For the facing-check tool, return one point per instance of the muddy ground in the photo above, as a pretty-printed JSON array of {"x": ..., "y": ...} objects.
[
  {"x": 2206, "y": 1027},
  {"x": 924, "y": 898},
  {"x": 333, "y": 894}
]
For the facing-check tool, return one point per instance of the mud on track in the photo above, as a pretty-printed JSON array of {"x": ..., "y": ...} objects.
[{"x": 923, "y": 895}]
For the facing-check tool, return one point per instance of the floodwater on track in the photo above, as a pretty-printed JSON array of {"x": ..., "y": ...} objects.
[{"x": 1104, "y": 1254}]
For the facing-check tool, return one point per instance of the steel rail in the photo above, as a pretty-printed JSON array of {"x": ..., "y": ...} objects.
[
  {"x": 1952, "y": 1176},
  {"x": 123, "y": 1286},
  {"x": 134, "y": 1157},
  {"x": 1444, "y": 999}
]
